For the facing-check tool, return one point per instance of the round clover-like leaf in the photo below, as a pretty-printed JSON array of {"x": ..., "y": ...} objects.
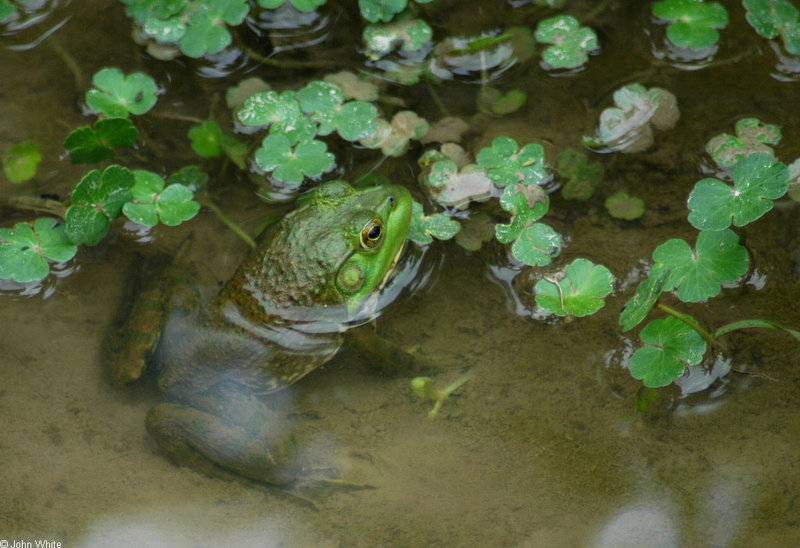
[
  {"x": 206, "y": 139},
  {"x": 307, "y": 159},
  {"x": 673, "y": 346},
  {"x": 152, "y": 201},
  {"x": 768, "y": 17},
  {"x": 580, "y": 292},
  {"x": 269, "y": 107},
  {"x": 582, "y": 176},
  {"x": 88, "y": 145},
  {"x": 571, "y": 42},
  {"x": 757, "y": 180},
  {"x": 627, "y": 127},
  {"x": 97, "y": 199},
  {"x": 410, "y": 34},
  {"x": 21, "y": 160},
  {"x": 752, "y": 136},
  {"x": 381, "y": 10},
  {"x": 698, "y": 274},
  {"x": 24, "y": 250},
  {"x": 506, "y": 164},
  {"x": 527, "y": 204},
  {"x": 118, "y": 95},
  {"x": 623, "y": 206},
  {"x": 536, "y": 245},
  {"x": 694, "y": 22},
  {"x": 424, "y": 228},
  {"x": 206, "y": 32}
]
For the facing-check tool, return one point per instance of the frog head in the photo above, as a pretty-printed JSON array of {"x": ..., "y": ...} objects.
[{"x": 336, "y": 248}]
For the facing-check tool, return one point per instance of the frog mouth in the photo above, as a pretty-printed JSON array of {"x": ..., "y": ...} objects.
[{"x": 391, "y": 270}]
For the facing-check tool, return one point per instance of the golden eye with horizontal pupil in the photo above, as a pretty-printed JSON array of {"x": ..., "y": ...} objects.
[
  {"x": 351, "y": 277},
  {"x": 372, "y": 234}
]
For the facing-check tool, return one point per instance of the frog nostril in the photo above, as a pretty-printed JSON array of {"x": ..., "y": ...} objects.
[{"x": 391, "y": 201}]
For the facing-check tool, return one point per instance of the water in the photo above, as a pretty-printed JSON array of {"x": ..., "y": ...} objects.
[{"x": 543, "y": 447}]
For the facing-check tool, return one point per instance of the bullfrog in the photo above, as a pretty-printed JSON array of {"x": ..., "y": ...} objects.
[{"x": 315, "y": 274}]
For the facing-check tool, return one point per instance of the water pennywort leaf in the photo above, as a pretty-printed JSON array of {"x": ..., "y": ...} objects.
[
  {"x": 694, "y": 22},
  {"x": 571, "y": 43},
  {"x": 117, "y": 95},
  {"x": 89, "y": 145},
  {"x": 698, "y": 274},
  {"x": 424, "y": 228},
  {"x": 507, "y": 164},
  {"x": 579, "y": 292},
  {"x": 20, "y": 161},
  {"x": 152, "y": 201},
  {"x": 97, "y": 199},
  {"x": 672, "y": 346},
  {"x": 752, "y": 135},
  {"x": 25, "y": 249},
  {"x": 757, "y": 180}
]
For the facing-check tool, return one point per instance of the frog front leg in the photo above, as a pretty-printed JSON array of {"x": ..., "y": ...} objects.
[{"x": 227, "y": 429}]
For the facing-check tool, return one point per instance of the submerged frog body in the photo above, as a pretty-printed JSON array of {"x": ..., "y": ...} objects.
[{"x": 314, "y": 274}]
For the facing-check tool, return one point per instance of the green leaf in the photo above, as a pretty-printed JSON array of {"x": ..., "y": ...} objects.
[
  {"x": 426, "y": 227},
  {"x": 754, "y": 323},
  {"x": 673, "y": 346},
  {"x": 24, "y": 250},
  {"x": 209, "y": 141},
  {"x": 270, "y": 107},
  {"x": 536, "y": 245},
  {"x": 354, "y": 120},
  {"x": 97, "y": 199},
  {"x": 21, "y": 160},
  {"x": 698, "y": 274},
  {"x": 192, "y": 177},
  {"x": 694, "y": 22},
  {"x": 507, "y": 165},
  {"x": 407, "y": 33},
  {"x": 623, "y": 206},
  {"x": 394, "y": 138},
  {"x": 751, "y": 136},
  {"x": 206, "y": 139},
  {"x": 88, "y": 145},
  {"x": 757, "y": 180},
  {"x": 493, "y": 100},
  {"x": 153, "y": 202},
  {"x": 645, "y": 298},
  {"x": 206, "y": 32},
  {"x": 381, "y": 10},
  {"x": 118, "y": 95},
  {"x": 308, "y": 159},
  {"x": 571, "y": 42},
  {"x": 527, "y": 204},
  {"x": 582, "y": 176},
  {"x": 7, "y": 10},
  {"x": 580, "y": 292},
  {"x": 768, "y": 17}
]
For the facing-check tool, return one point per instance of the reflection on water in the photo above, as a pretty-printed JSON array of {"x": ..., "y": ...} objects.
[{"x": 543, "y": 447}]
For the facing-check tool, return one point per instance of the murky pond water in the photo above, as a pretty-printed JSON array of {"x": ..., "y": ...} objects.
[{"x": 542, "y": 447}]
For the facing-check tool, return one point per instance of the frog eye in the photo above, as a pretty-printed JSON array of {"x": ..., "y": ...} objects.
[{"x": 372, "y": 234}]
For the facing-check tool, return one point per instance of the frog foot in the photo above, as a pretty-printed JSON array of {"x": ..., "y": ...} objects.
[{"x": 258, "y": 449}]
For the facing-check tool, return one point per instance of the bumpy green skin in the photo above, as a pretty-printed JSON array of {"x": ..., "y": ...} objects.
[{"x": 326, "y": 253}]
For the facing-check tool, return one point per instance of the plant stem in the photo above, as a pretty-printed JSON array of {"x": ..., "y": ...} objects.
[
  {"x": 596, "y": 11},
  {"x": 271, "y": 61},
  {"x": 32, "y": 203},
  {"x": 69, "y": 60},
  {"x": 227, "y": 221},
  {"x": 437, "y": 99},
  {"x": 691, "y": 322}
]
